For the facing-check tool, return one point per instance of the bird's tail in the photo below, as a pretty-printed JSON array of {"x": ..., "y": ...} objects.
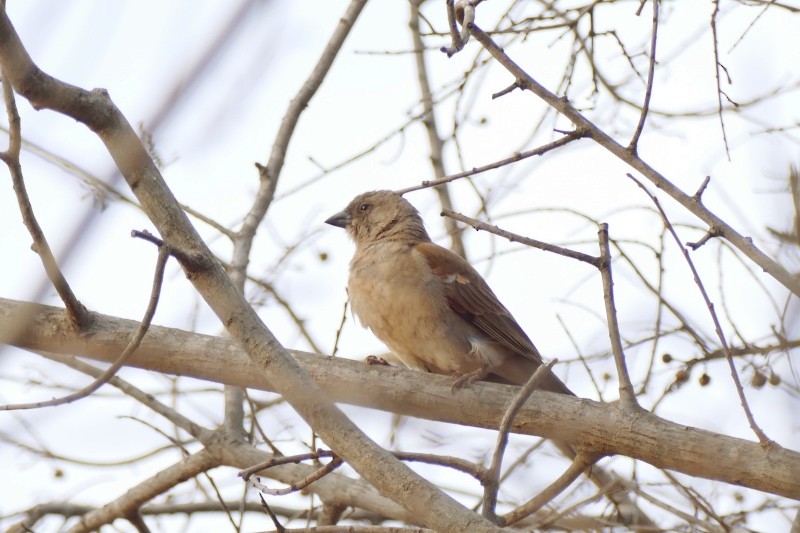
[{"x": 518, "y": 370}]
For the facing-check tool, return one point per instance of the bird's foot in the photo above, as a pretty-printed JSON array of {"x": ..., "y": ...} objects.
[
  {"x": 465, "y": 379},
  {"x": 376, "y": 360}
]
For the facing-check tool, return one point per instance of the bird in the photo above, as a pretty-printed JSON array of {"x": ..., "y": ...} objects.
[{"x": 431, "y": 308}]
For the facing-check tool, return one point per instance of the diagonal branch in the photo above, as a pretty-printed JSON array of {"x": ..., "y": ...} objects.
[
  {"x": 146, "y": 491},
  {"x": 271, "y": 360},
  {"x": 692, "y": 204},
  {"x": 78, "y": 314},
  {"x": 513, "y": 237},
  {"x": 762, "y": 437},
  {"x": 270, "y": 173},
  {"x": 334, "y": 488},
  {"x": 130, "y": 349},
  {"x": 518, "y": 156},
  {"x": 492, "y": 485}
]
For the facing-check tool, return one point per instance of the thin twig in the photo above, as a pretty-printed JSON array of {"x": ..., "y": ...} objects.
[
  {"x": 458, "y": 44},
  {"x": 492, "y": 484},
  {"x": 145, "y": 491},
  {"x": 278, "y": 526},
  {"x": 762, "y": 437},
  {"x": 519, "y": 156},
  {"x": 627, "y": 395},
  {"x": 717, "y": 67},
  {"x": 698, "y": 196},
  {"x": 456, "y": 463},
  {"x": 270, "y": 173},
  {"x": 284, "y": 460},
  {"x": 710, "y": 234},
  {"x": 209, "y": 221},
  {"x": 301, "y": 484},
  {"x": 505, "y": 91},
  {"x": 589, "y": 129},
  {"x": 581, "y": 358},
  {"x": 429, "y": 121},
  {"x": 195, "y": 430},
  {"x": 158, "y": 278},
  {"x": 658, "y": 333},
  {"x": 576, "y": 468},
  {"x": 325, "y": 171},
  {"x": 299, "y": 322},
  {"x": 685, "y": 322},
  {"x": 340, "y": 328},
  {"x": 77, "y": 313},
  {"x": 651, "y": 73},
  {"x": 513, "y": 237}
]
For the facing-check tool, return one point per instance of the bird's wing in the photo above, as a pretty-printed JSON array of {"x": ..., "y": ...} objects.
[{"x": 470, "y": 297}]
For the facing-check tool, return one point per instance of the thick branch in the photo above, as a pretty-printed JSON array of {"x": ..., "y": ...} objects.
[
  {"x": 603, "y": 428},
  {"x": 269, "y": 359}
]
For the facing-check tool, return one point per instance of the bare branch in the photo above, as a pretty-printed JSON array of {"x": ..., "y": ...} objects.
[
  {"x": 627, "y": 396},
  {"x": 95, "y": 109},
  {"x": 270, "y": 173},
  {"x": 78, "y": 314},
  {"x": 762, "y": 437},
  {"x": 555, "y": 416},
  {"x": 578, "y": 466},
  {"x": 134, "y": 498},
  {"x": 429, "y": 121},
  {"x": 190, "y": 427},
  {"x": 717, "y": 67},
  {"x": 492, "y": 483},
  {"x": 301, "y": 484},
  {"x": 568, "y": 138},
  {"x": 563, "y": 106},
  {"x": 130, "y": 349},
  {"x": 566, "y": 252},
  {"x": 651, "y": 73}
]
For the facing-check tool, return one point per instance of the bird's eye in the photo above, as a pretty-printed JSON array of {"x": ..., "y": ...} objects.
[{"x": 364, "y": 207}]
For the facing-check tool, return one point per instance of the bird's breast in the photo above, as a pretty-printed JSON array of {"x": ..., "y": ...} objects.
[
  {"x": 394, "y": 293},
  {"x": 389, "y": 287}
]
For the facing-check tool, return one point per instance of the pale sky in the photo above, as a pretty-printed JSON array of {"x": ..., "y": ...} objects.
[{"x": 226, "y": 121}]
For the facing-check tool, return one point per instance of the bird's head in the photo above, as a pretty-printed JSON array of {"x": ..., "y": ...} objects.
[{"x": 380, "y": 215}]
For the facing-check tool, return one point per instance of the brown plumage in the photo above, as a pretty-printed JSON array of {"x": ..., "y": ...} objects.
[{"x": 429, "y": 306}]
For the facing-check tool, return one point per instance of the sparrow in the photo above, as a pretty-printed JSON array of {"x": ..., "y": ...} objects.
[{"x": 428, "y": 304}]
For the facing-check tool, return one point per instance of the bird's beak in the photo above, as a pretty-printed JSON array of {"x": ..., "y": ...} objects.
[{"x": 342, "y": 219}]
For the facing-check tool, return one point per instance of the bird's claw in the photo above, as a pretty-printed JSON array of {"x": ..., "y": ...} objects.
[
  {"x": 375, "y": 360},
  {"x": 465, "y": 379}
]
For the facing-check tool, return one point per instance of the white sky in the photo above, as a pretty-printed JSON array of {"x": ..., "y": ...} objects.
[{"x": 140, "y": 50}]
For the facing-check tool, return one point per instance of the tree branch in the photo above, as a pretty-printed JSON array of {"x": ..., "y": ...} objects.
[
  {"x": 431, "y": 506},
  {"x": 429, "y": 121},
  {"x": 562, "y": 105},
  {"x": 137, "y": 496},
  {"x": 606, "y": 430}
]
